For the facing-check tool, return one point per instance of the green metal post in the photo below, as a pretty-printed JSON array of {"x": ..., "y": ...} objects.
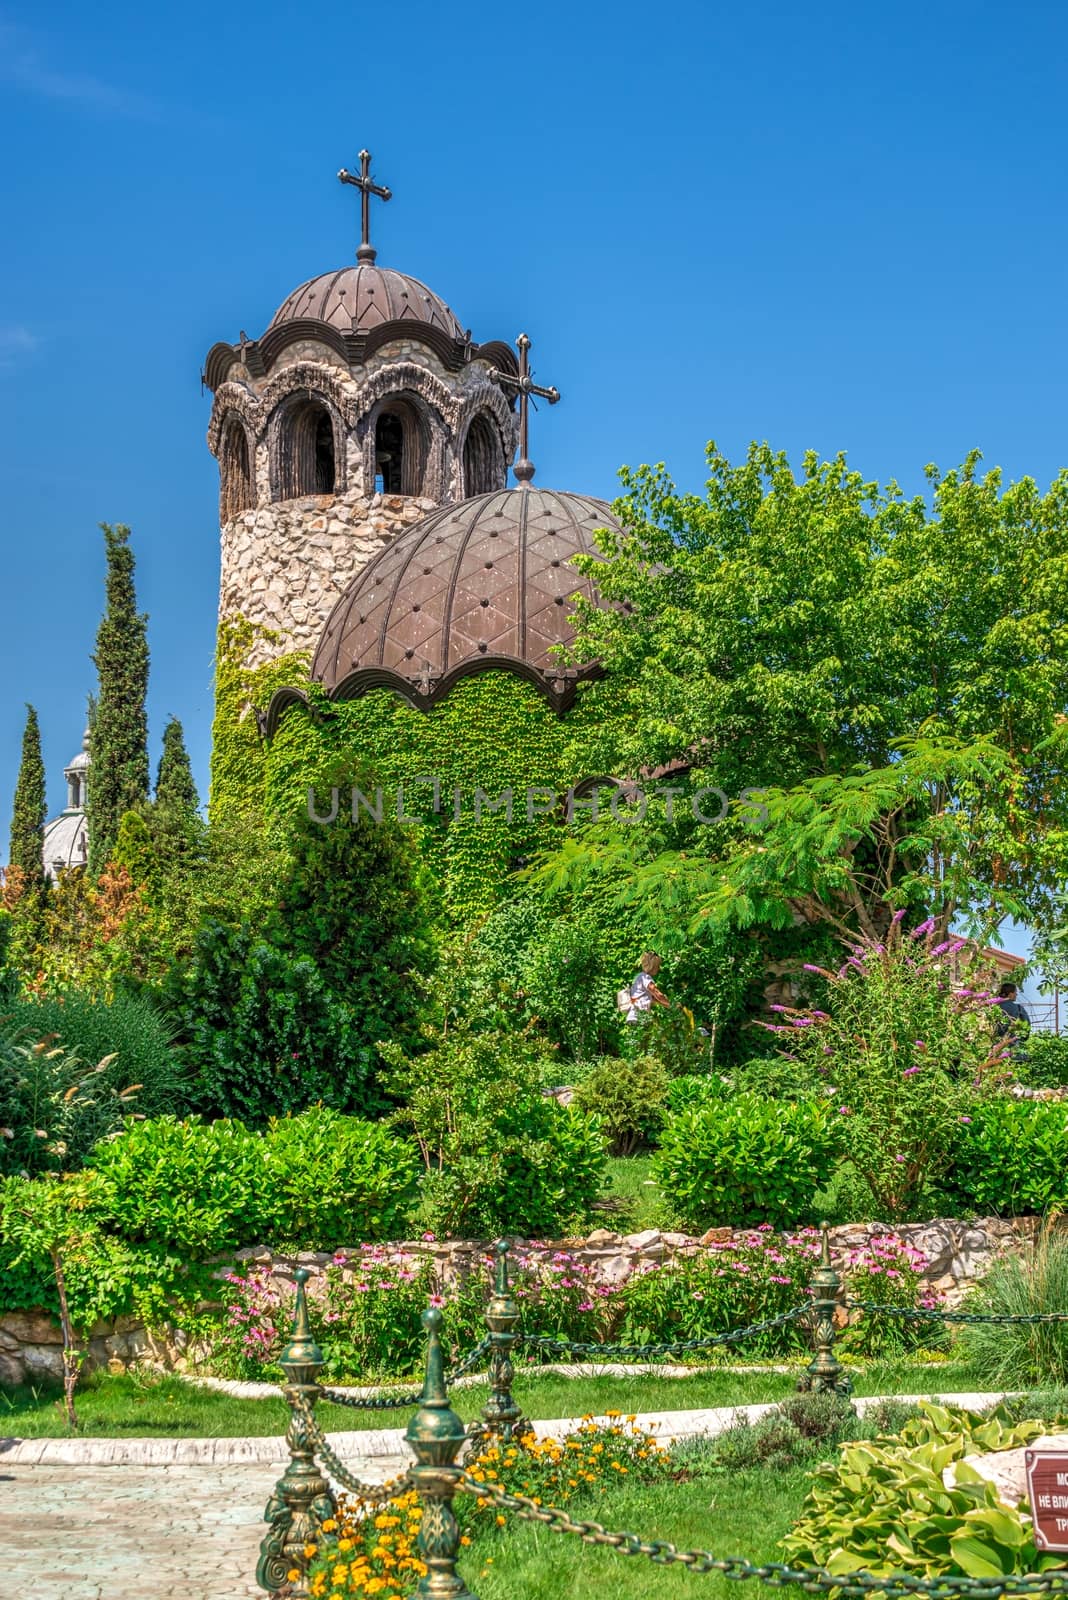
[
  {"x": 436, "y": 1436},
  {"x": 501, "y": 1415},
  {"x": 302, "y": 1499},
  {"x": 825, "y": 1374}
]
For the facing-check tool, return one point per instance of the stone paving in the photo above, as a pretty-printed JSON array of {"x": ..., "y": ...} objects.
[{"x": 174, "y": 1519}]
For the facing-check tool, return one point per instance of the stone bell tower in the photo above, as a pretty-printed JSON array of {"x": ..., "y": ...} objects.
[{"x": 362, "y": 407}]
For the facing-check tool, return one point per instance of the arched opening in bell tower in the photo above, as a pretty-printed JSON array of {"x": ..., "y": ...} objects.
[
  {"x": 401, "y": 449},
  {"x": 235, "y": 487},
  {"x": 482, "y": 457},
  {"x": 304, "y": 452}
]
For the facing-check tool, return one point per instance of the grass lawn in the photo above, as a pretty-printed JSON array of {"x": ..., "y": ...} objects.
[
  {"x": 632, "y": 1199},
  {"x": 738, "y": 1514},
  {"x": 146, "y": 1406}
]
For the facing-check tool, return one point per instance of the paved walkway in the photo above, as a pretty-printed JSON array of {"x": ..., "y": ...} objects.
[{"x": 180, "y": 1519}]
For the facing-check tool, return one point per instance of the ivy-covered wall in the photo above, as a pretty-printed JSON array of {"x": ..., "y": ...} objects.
[
  {"x": 493, "y": 733},
  {"x": 238, "y": 752}
]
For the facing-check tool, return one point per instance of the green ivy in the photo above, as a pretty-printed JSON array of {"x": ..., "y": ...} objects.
[
  {"x": 493, "y": 732},
  {"x": 238, "y": 753}
]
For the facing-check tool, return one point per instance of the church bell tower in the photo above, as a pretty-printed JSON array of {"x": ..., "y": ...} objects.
[{"x": 364, "y": 406}]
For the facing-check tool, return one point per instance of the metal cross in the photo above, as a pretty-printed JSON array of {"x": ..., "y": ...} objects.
[
  {"x": 525, "y": 387},
  {"x": 362, "y": 181}
]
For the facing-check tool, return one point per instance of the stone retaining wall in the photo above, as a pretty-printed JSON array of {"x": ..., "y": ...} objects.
[{"x": 958, "y": 1255}]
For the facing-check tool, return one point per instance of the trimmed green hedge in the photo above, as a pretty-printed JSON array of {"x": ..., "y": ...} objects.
[
  {"x": 319, "y": 1180},
  {"x": 1011, "y": 1158},
  {"x": 746, "y": 1161}
]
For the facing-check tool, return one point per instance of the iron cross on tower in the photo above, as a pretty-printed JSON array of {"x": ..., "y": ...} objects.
[
  {"x": 525, "y": 387},
  {"x": 362, "y": 181}
]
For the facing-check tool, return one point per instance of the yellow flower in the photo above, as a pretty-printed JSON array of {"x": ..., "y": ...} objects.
[
  {"x": 501, "y": 1521},
  {"x": 293, "y": 1575},
  {"x": 309, "y": 1550},
  {"x": 344, "y": 1544}
]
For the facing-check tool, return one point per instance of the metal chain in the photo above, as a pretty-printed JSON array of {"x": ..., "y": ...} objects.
[
  {"x": 372, "y": 1494},
  {"x": 916, "y": 1314},
  {"x": 397, "y": 1402},
  {"x": 775, "y": 1574},
  {"x": 570, "y": 1347}
]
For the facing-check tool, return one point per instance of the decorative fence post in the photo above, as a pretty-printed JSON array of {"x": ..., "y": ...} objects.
[
  {"x": 825, "y": 1373},
  {"x": 302, "y": 1499},
  {"x": 436, "y": 1436},
  {"x": 501, "y": 1415}
]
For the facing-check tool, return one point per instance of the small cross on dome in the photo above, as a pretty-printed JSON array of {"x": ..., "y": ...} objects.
[
  {"x": 367, "y": 187},
  {"x": 525, "y": 387}
]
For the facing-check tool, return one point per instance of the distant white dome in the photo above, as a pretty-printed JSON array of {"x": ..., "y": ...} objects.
[{"x": 65, "y": 841}]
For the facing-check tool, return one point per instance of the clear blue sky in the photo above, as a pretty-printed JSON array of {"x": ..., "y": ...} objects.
[{"x": 829, "y": 225}]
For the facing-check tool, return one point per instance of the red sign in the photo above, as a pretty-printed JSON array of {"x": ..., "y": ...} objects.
[{"x": 1047, "y": 1486}]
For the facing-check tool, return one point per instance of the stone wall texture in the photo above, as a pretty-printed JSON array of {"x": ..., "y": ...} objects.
[{"x": 958, "y": 1255}]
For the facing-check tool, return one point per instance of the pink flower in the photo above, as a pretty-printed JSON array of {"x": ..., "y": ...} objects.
[
  {"x": 437, "y": 1300},
  {"x": 429, "y": 1238}
]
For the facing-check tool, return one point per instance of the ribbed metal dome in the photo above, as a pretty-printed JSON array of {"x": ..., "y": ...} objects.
[
  {"x": 482, "y": 584},
  {"x": 356, "y": 299}
]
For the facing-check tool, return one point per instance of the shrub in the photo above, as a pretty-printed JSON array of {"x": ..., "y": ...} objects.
[
  {"x": 800, "y": 1428},
  {"x": 1010, "y": 1158},
  {"x": 883, "y": 1504},
  {"x": 190, "y": 1186},
  {"x": 263, "y": 1034},
  {"x": 1044, "y": 1064},
  {"x": 628, "y": 1097},
  {"x": 128, "y": 1030},
  {"x": 725, "y": 1287},
  {"x": 331, "y": 1178},
  {"x": 499, "y": 1155},
  {"x": 1017, "y": 1355},
  {"x": 746, "y": 1161},
  {"x": 54, "y": 1107},
  {"x": 888, "y": 1272},
  {"x": 906, "y": 1053},
  {"x": 694, "y": 1089}
]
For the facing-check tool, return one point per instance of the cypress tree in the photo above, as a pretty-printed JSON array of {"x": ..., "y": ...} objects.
[
  {"x": 28, "y": 814},
  {"x": 174, "y": 780},
  {"x": 118, "y": 777}
]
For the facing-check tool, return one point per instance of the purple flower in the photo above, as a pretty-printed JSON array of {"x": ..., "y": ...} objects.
[
  {"x": 965, "y": 1119},
  {"x": 924, "y": 927},
  {"x": 897, "y": 916},
  {"x": 908, "y": 1072},
  {"x": 844, "y": 1111}
]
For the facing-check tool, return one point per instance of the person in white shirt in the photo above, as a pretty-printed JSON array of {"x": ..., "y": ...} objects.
[{"x": 644, "y": 994}]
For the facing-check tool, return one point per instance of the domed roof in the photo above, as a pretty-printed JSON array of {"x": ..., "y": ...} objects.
[
  {"x": 478, "y": 585},
  {"x": 358, "y": 298},
  {"x": 65, "y": 842}
]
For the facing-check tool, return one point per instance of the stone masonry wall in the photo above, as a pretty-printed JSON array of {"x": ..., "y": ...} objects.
[
  {"x": 285, "y": 566},
  {"x": 958, "y": 1255}
]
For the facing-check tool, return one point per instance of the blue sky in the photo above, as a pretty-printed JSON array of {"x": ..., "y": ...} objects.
[{"x": 830, "y": 226}]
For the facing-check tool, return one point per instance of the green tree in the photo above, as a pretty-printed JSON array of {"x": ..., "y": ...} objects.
[
  {"x": 28, "y": 814},
  {"x": 174, "y": 779},
  {"x": 118, "y": 780},
  {"x": 890, "y": 674}
]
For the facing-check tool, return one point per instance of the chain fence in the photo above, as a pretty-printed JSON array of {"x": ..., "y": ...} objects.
[
  {"x": 399, "y": 1402},
  {"x": 371, "y": 1494},
  {"x": 673, "y": 1347},
  {"x": 775, "y": 1574},
  {"x": 918, "y": 1314}
]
